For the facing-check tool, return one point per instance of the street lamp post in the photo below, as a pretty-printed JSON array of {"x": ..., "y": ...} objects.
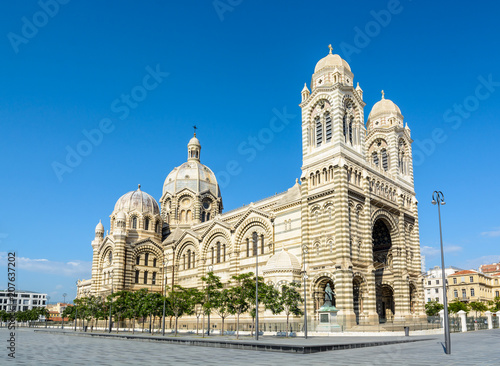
[
  {"x": 151, "y": 314},
  {"x": 64, "y": 302},
  {"x": 438, "y": 198},
  {"x": 76, "y": 307},
  {"x": 110, "y": 302},
  {"x": 210, "y": 269},
  {"x": 305, "y": 299},
  {"x": 256, "y": 243},
  {"x": 165, "y": 264}
]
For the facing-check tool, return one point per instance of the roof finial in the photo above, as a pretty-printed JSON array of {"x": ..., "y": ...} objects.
[
  {"x": 331, "y": 48},
  {"x": 139, "y": 186},
  {"x": 195, "y": 128},
  {"x": 383, "y": 95}
]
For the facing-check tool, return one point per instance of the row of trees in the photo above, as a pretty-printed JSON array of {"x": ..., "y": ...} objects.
[
  {"x": 232, "y": 299},
  {"x": 24, "y": 316},
  {"x": 432, "y": 308}
]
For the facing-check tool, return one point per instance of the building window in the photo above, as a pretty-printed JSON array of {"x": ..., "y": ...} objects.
[
  {"x": 497, "y": 293},
  {"x": 183, "y": 261},
  {"x": 464, "y": 293},
  {"x": 328, "y": 127},
  {"x": 472, "y": 293},
  {"x": 154, "y": 262},
  {"x": 255, "y": 243},
  {"x": 375, "y": 158},
  {"x": 146, "y": 277},
  {"x": 248, "y": 247},
  {"x": 319, "y": 131},
  {"x": 224, "y": 253},
  {"x": 193, "y": 259},
  {"x": 344, "y": 125},
  {"x": 146, "y": 259},
  {"x": 203, "y": 216},
  {"x": 437, "y": 282},
  {"x": 455, "y": 293},
  {"x": 134, "y": 222},
  {"x": 262, "y": 244},
  {"x": 146, "y": 224},
  {"x": 138, "y": 260},
  {"x": 385, "y": 160},
  {"x": 471, "y": 279},
  {"x": 218, "y": 252},
  {"x": 436, "y": 290},
  {"x": 428, "y": 299},
  {"x": 455, "y": 281},
  {"x": 213, "y": 255},
  {"x": 157, "y": 227},
  {"x": 137, "y": 276},
  {"x": 428, "y": 290},
  {"x": 350, "y": 131},
  {"x": 189, "y": 258},
  {"x": 429, "y": 283},
  {"x": 153, "y": 280}
]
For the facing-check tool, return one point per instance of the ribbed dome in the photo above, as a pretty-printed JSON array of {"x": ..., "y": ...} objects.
[
  {"x": 194, "y": 141},
  {"x": 137, "y": 201},
  {"x": 384, "y": 106},
  {"x": 194, "y": 176},
  {"x": 121, "y": 216},
  {"x": 331, "y": 60},
  {"x": 283, "y": 261}
]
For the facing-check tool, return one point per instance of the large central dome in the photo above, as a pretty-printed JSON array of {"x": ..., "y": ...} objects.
[{"x": 192, "y": 174}]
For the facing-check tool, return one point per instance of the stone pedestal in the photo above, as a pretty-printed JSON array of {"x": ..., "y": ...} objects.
[
  {"x": 328, "y": 319},
  {"x": 463, "y": 319},
  {"x": 490, "y": 319}
]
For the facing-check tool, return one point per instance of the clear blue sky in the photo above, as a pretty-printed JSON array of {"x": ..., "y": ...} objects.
[{"x": 229, "y": 67}]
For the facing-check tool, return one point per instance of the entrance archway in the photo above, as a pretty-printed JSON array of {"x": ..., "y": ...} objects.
[
  {"x": 413, "y": 298},
  {"x": 382, "y": 244},
  {"x": 357, "y": 296},
  {"x": 385, "y": 303}
]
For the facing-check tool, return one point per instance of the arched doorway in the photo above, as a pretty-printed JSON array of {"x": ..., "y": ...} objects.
[
  {"x": 357, "y": 296},
  {"x": 385, "y": 303},
  {"x": 413, "y": 298}
]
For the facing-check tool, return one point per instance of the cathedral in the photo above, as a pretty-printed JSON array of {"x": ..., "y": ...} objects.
[{"x": 350, "y": 221}]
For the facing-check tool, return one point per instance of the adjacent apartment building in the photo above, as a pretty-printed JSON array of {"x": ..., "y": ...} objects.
[{"x": 433, "y": 283}]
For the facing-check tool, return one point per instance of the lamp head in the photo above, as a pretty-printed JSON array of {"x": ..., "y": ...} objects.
[
  {"x": 443, "y": 203},
  {"x": 433, "y": 202}
]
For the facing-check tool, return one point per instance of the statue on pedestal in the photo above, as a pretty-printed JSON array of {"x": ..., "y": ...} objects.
[{"x": 329, "y": 294}]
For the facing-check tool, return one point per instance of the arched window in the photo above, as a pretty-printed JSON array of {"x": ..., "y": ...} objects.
[
  {"x": 262, "y": 244},
  {"x": 146, "y": 259},
  {"x": 110, "y": 257},
  {"x": 213, "y": 255},
  {"x": 319, "y": 131},
  {"x": 153, "y": 279},
  {"x": 157, "y": 227},
  {"x": 350, "y": 130},
  {"x": 375, "y": 158},
  {"x": 134, "y": 222},
  {"x": 154, "y": 262},
  {"x": 138, "y": 259},
  {"x": 189, "y": 258},
  {"x": 146, "y": 223},
  {"x": 203, "y": 216},
  {"x": 344, "y": 125},
  {"x": 255, "y": 243},
  {"x": 224, "y": 253},
  {"x": 193, "y": 260},
  {"x": 385, "y": 161},
  {"x": 145, "y": 277},
  {"x": 208, "y": 216},
  {"x": 328, "y": 127},
  {"x": 248, "y": 247},
  {"x": 183, "y": 261},
  {"x": 218, "y": 252},
  {"x": 137, "y": 276}
]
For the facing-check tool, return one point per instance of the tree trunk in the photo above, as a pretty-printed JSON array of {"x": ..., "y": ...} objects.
[
  {"x": 197, "y": 320},
  {"x": 238, "y": 326},
  {"x": 176, "y": 325},
  {"x": 222, "y": 330},
  {"x": 133, "y": 326},
  {"x": 286, "y": 330}
]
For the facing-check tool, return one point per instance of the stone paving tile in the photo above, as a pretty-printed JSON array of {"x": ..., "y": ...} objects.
[{"x": 474, "y": 348}]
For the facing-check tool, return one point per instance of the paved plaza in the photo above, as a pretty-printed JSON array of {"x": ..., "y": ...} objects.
[{"x": 39, "y": 348}]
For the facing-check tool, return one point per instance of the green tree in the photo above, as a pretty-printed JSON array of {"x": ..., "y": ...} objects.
[
  {"x": 181, "y": 301},
  {"x": 210, "y": 290},
  {"x": 240, "y": 294},
  {"x": 494, "y": 304},
  {"x": 478, "y": 306},
  {"x": 455, "y": 306},
  {"x": 222, "y": 305},
  {"x": 291, "y": 300},
  {"x": 432, "y": 308}
]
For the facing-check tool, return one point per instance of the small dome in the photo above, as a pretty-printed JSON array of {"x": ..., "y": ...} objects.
[
  {"x": 331, "y": 60},
  {"x": 283, "y": 261},
  {"x": 137, "y": 201},
  {"x": 194, "y": 141},
  {"x": 121, "y": 216},
  {"x": 384, "y": 106},
  {"x": 99, "y": 228}
]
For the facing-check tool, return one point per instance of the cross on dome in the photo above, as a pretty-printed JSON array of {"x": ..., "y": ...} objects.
[
  {"x": 331, "y": 48},
  {"x": 383, "y": 95}
]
